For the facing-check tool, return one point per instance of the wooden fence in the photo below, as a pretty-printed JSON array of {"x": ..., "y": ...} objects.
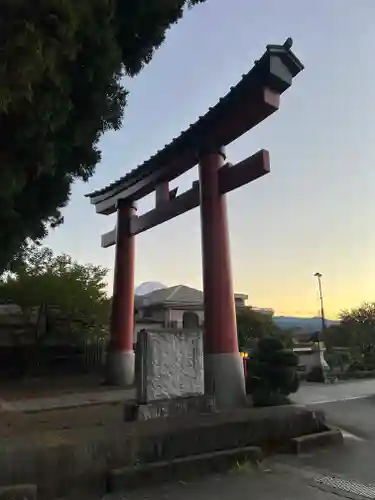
[
  {"x": 21, "y": 355},
  {"x": 52, "y": 360},
  {"x": 95, "y": 354}
]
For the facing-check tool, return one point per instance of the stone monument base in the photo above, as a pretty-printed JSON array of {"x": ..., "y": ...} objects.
[{"x": 169, "y": 408}]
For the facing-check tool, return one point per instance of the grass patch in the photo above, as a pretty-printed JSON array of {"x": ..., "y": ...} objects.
[{"x": 244, "y": 467}]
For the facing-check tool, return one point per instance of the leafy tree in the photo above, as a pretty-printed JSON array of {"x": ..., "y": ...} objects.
[
  {"x": 252, "y": 326},
  {"x": 356, "y": 333},
  {"x": 59, "y": 298},
  {"x": 339, "y": 336},
  {"x": 359, "y": 322},
  {"x": 272, "y": 373},
  {"x": 286, "y": 336},
  {"x": 62, "y": 63},
  {"x": 339, "y": 359}
]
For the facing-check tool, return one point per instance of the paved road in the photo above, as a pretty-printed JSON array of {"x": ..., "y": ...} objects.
[
  {"x": 322, "y": 393},
  {"x": 351, "y": 407}
]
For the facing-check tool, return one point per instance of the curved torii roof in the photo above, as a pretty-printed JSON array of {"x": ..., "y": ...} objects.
[{"x": 222, "y": 124}]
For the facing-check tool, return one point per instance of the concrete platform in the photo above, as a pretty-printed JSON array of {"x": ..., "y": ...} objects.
[
  {"x": 269, "y": 482},
  {"x": 80, "y": 461}
]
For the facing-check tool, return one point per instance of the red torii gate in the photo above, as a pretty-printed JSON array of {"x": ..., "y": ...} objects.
[{"x": 253, "y": 99}]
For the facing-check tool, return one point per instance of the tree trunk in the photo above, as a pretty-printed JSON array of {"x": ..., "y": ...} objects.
[{"x": 41, "y": 332}]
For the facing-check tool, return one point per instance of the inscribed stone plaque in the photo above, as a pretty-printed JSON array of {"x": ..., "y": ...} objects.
[{"x": 169, "y": 365}]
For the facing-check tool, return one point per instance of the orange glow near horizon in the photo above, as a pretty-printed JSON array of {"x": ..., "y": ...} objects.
[{"x": 304, "y": 304}]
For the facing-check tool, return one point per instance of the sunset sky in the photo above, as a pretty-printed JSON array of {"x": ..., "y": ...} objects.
[{"x": 314, "y": 212}]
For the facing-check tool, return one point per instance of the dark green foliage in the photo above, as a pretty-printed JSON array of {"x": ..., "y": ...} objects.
[
  {"x": 59, "y": 298},
  {"x": 359, "y": 327},
  {"x": 358, "y": 374},
  {"x": 272, "y": 373},
  {"x": 252, "y": 326},
  {"x": 61, "y": 65},
  {"x": 316, "y": 375},
  {"x": 355, "y": 334}
]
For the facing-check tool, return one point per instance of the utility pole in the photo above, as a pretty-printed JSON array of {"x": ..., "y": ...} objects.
[{"x": 319, "y": 278}]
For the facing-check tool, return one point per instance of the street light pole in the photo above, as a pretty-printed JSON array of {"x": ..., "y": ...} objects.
[{"x": 319, "y": 278}]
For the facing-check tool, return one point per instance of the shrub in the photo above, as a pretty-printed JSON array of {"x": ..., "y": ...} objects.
[
  {"x": 358, "y": 375},
  {"x": 356, "y": 366},
  {"x": 272, "y": 373},
  {"x": 316, "y": 374}
]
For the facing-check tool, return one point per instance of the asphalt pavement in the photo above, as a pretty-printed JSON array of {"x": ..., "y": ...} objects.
[
  {"x": 351, "y": 407},
  {"x": 312, "y": 393}
]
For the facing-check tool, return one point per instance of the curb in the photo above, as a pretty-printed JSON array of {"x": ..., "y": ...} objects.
[
  {"x": 130, "y": 477},
  {"x": 18, "y": 492},
  {"x": 83, "y": 404},
  {"x": 308, "y": 442}
]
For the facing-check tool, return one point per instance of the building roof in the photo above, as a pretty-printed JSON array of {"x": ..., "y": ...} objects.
[
  {"x": 275, "y": 70},
  {"x": 179, "y": 294},
  {"x": 176, "y": 295}
]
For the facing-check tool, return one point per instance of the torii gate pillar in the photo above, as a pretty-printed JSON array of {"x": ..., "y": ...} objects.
[
  {"x": 224, "y": 374},
  {"x": 120, "y": 365}
]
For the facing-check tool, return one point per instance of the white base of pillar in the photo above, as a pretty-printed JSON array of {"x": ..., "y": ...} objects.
[
  {"x": 120, "y": 368},
  {"x": 225, "y": 380}
]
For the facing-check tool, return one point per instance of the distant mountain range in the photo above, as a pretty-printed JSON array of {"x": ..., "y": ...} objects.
[{"x": 305, "y": 324}]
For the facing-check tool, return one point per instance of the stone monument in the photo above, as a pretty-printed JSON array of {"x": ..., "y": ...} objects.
[{"x": 169, "y": 375}]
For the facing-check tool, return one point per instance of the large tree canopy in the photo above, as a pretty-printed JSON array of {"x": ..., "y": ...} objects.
[{"x": 61, "y": 64}]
